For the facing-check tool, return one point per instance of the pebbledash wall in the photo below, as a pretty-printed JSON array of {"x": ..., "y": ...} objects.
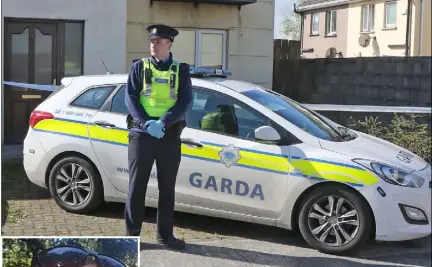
[{"x": 248, "y": 33}]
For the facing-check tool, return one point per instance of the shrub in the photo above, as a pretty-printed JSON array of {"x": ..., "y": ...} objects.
[{"x": 403, "y": 131}]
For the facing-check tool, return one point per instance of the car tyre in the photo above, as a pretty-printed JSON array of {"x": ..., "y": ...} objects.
[
  {"x": 95, "y": 195},
  {"x": 364, "y": 217}
]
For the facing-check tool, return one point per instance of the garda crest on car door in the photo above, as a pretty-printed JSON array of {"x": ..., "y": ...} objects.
[{"x": 227, "y": 169}]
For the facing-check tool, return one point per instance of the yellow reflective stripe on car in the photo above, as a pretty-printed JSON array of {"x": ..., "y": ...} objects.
[
  {"x": 114, "y": 135},
  {"x": 314, "y": 169},
  {"x": 64, "y": 127},
  {"x": 324, "y": 170},
  {"x": 248, "y": 159}
]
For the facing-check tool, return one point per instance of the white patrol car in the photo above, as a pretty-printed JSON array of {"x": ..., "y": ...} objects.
[{"x": 283, "y": 165}]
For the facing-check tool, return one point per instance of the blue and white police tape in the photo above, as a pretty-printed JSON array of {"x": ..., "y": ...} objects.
[{"x": 42, "y": 87}]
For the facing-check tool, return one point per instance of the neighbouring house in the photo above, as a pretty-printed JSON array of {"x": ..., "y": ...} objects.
[
  {"x": 45, "y": 41},
  {"x": 323, "y": 28},
  {"x": 371, "y": 27}
]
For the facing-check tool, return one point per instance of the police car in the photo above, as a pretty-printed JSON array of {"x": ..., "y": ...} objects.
[{"x": 281, "y": 164}]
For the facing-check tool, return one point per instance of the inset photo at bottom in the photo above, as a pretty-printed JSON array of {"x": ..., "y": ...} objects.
[{"x": 70, "y": 252}]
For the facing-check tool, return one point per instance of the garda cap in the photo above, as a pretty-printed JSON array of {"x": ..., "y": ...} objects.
[{"x": 162, "y": 31}]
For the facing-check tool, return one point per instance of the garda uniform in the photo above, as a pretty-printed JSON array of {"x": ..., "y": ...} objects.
[{"x": 158, "y": 95}]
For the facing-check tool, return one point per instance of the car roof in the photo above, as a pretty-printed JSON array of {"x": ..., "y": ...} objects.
[{"x": 92, "y": 80}]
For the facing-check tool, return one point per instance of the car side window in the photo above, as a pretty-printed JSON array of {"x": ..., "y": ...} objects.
[
  {"x": 118, "y": 104},
  {"x": 93, "y": 98},
  {"x": 220, "y": 114}
]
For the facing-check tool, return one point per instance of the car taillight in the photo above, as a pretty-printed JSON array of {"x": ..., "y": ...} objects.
[{"x": 37, "y": 116}]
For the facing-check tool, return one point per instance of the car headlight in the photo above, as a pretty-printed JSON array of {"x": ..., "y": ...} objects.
[{"x": 392, "y": 174}]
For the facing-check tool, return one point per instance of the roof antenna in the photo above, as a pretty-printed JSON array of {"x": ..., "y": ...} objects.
[{"x": 108, "y": 72}]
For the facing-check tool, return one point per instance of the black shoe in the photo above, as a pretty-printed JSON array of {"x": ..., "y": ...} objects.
[{"x": 172, "y": 243}]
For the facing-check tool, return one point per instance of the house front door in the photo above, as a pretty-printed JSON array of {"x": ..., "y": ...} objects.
[{"x": 30, "y": 56}]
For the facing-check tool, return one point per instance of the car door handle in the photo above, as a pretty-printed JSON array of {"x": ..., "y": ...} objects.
[
  {"x": 191, "y": 142},
  {"x": 104, "y": 124}
]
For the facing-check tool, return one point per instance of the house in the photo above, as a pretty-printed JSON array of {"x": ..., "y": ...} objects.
[
  {"x": 324, "y": 28},
  {"x": 388, "y": 28},
  {"x": 46, "y": 40},
  {"x": 370, "y": 27}
]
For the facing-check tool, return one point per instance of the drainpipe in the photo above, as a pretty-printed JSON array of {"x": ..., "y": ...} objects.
[
  {"x": 301, "y": 24},
  {"x": 421, "y": 27},
  {"x": 408, "y": 30}
]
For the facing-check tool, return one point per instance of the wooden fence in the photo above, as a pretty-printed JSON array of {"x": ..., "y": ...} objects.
[{"x": 286, "y": 67}]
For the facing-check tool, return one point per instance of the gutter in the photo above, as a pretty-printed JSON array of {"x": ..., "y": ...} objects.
[
  {"x": 408, "y": 30},
  {"x": 421, "y": 27},
  {"x": 313, "y": 6},
  {"x": 301, "y": 24}
]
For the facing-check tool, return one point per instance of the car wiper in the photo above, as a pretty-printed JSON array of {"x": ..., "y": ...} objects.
[{"x": 344, "y": 134}]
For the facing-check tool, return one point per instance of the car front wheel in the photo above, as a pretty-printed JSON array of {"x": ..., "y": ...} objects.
[
  {"x": 75, "y": 185},
  {"x": 334, "y": 220}
]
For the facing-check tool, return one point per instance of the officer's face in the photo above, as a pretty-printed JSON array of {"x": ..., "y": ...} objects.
[{"x": 159, "y": 47}]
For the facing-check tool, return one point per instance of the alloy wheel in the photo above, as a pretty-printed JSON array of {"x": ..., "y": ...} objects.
[
  {"x": 334, "y": 221},
  {"x": 72, "y": 184}
]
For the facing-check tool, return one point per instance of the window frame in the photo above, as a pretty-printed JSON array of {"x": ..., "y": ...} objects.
[
  {"x": 370, "y": 16},
  {"x": 386, "y": 4},
  {"x": 287, "y": 138},
  {"x": 329, "y": 17},
  {"x": 113, "y": 88},
  {"x": 312, "y": 32},
  {"x": 198, "y": 46},
  {"x": 108, "y": 104}
]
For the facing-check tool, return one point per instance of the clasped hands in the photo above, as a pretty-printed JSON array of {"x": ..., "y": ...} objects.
[{"x": 154, "y": 128}]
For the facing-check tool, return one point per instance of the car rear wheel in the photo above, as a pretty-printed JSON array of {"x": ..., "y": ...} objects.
[
  {"x": 75, "y": 185},
  {"x": 334, "y": 220}
]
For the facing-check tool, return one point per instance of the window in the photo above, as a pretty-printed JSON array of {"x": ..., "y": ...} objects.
[
  {"x": 118, "y": 104},
  {"x": 201, "y": 48},
  {"x": 294, "y": 113},
  {"x": 331, "y": 22},
  {"x": 73, "y": 48},
  {"x": 93, "y": 98},
  {"x": 315, "y": 23},
  {"x": 368, "y": 17},
  {"x": 220, "y": 114},
  {"x": 390, "y": 14}
]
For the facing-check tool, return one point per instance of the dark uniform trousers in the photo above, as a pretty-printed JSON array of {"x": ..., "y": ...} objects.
[{"x": 143, "y": 151}]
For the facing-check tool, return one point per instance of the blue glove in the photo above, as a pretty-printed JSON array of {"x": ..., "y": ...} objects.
[{"x": 155, "y": 128}]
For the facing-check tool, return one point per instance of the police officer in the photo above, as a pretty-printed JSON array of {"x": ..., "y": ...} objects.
[{"x": 159, "y": 91}]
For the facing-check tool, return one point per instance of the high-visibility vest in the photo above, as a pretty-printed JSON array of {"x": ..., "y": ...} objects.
[{"x": 160, "y": 88}]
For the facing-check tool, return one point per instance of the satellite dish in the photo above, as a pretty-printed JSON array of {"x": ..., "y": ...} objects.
[
  {"x": 331, "y": 52},
  {"x": 364, "y": 40}
]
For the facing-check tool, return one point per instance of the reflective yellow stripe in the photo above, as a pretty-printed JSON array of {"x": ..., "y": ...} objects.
[
  {"x": 333, "y": 172},
  {"x": 63, "y": 127},
  {"x": 308, "y": 168},
  {"x": 111, "y": 135}
]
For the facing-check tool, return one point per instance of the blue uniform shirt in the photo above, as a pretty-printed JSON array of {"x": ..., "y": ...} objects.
[{"x": 135, "y": 85}]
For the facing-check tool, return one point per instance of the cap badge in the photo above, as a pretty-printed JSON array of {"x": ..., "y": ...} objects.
[{"x": 154, "y": 30}]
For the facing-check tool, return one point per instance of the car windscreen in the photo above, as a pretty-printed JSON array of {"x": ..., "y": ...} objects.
[{"x": 294, "y": 113}]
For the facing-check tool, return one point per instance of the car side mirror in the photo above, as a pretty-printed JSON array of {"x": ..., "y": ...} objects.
[{"x": 267, "y": 133}]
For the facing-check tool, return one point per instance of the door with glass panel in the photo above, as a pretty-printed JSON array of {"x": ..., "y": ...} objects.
[{"x": 30, "y": 51}]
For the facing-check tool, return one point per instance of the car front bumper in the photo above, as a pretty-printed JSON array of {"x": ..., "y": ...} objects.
[{"x": 391, "y": 222}]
